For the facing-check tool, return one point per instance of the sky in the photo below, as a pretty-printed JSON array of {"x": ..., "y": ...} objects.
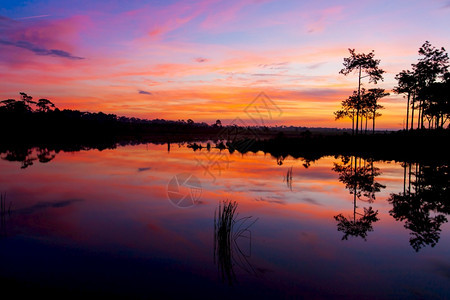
[{"x": 209, "y": 60}]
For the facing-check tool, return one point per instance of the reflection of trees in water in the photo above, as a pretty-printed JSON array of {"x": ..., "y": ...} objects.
[
  {"x": 424, "y": 203},
  {"x": 44, "y": 155},
  {"x": 280, "y": 160},
  {"x": 28, "y": 156},
  {"x": 232, "y": 241},
  {"x": 357, "y": 227},
  {"x": 358, "y": 175}
]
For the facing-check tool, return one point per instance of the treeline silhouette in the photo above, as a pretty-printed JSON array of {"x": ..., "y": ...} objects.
[
  {"x": 417, "y": 146},
  {"x": 26, "y": 120},
  {"x": 422, "y": 145}
]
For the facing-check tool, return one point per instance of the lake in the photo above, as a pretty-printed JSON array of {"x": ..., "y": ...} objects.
[{"x": 149, "y": 220}]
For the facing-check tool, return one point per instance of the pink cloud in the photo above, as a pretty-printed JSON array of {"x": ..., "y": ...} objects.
[
  {"x": 61, "y": 34},
  {"x": 226, "y": 15},
  {"x": 324, "y": 18}
]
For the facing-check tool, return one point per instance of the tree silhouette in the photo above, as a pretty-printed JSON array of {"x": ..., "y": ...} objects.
[
  {"x": 407, "y": 83},
  {"x": 348, "y": 109},
  {"x": 26, "y": 99},
  {"x": 371, "y": 102},
  {"x": 432, "y": 65},
  {"x": 362, "y": 63},
  {"x": 15, "y": 107},
  {"x": 45, "y": 105},
  {"x": 438, "y": 104}
]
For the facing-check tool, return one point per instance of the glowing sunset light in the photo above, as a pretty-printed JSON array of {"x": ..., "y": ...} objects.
[{"x": 207, "y": 60}]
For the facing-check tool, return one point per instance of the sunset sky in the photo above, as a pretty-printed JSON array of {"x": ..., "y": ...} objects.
[{"x": 208, "y": 60}]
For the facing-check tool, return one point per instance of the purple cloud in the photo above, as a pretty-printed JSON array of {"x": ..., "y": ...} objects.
[
  {"x": 201, "y": 59},
  {"x": 144, "y": 92},
  {"x": 40, "y": 50}
]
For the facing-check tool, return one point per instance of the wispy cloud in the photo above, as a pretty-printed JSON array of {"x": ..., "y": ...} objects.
[
  {"x": 33, "y": 17},
  {"x": 261, "y": 199},
  {"x": 311, "y": 200},
  {"x": 315, "y": 66},
  {"x": 324, "y": 18},
  {"x": 274, "y": 66},
  {"x": 144, "y": 169},
  {"x": 45, "y": 205},
  {"x": 40, "y": 50},
  {"x": 144, "y": 92}
]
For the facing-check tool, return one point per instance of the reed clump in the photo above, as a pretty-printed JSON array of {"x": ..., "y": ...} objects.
[{"x": 228, "y": 229}]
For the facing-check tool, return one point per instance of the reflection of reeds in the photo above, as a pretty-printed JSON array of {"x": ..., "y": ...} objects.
[
  {"x": 223, "y": 225},
  {"x": 227, "y": 230},
  {"x": 4, "y": 212},
  {"x": 288, "y": 178}
]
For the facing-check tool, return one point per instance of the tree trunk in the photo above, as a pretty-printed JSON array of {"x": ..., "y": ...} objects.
[
  {"x": 362, "y": 116},
  {"x": 373, "y": 122},
  {"x": 419, "y": 116},
  {"x": 357, "y": 119},
  {"x": 409, "y": 178},
  {"x": 354, "y": 194},
  {"x": 353, "y": 122},
  {"x": 412, "y": 112},
  {"x": 407, "y": 112},
  {"x": 365, "y": 130},
  {"x": 404, "y": 178},
  {"x": 359, "y": 99}
]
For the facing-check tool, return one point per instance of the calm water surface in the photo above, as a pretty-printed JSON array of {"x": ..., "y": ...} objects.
[{"x": 125, "y": 222}]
